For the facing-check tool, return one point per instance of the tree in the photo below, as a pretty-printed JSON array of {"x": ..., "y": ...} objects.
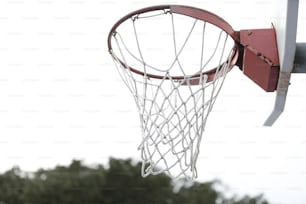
[
  {"x": 125, "y": 185},
  {"x": 76, "y": 184},
  {"x": 249, "y": 200},
  {"x": 197, "y": 193},
  {"x": 11, "y": 186},
  {"x": 120, "y": 183}
]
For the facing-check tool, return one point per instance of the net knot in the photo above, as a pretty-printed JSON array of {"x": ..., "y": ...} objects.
[
  {"x": 135, "y": 17},
  {"x": 167, "y": 11}
]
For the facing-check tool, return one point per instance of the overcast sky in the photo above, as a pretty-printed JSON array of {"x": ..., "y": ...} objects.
[{"x": 61, "y": 98}]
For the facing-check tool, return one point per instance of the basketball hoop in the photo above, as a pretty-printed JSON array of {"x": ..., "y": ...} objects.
[{"x": 174, "y": 60}]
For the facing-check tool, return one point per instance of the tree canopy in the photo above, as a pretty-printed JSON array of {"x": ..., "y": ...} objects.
[{"x": 118, "y": 183}]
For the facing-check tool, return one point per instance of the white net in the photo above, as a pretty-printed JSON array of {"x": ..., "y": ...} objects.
[{"x": 173, "y": 111}]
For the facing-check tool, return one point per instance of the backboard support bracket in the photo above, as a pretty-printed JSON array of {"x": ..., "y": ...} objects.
[
  {"x": 299, "y": 67},
  {"x": 260, "y": 61},
  {"x": 286, "y": 30},
  {"x": 281, "y": 96}
]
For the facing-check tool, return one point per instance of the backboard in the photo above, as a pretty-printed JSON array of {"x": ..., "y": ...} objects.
[{"x": 285, "y": 23}]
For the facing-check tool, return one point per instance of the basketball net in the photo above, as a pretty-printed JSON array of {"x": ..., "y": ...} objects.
[{"x": 173, "y": 110}]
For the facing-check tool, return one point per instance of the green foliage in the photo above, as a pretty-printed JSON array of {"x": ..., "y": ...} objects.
[
  {"x": 75, "y": 184},
  {"x": 120, "y": 183},
  {"x": 11, "y": 186},
  {"x": 197, "y": 193},
  {"x": 125, "y": 185},
  {"x": 249, "y": 200}
]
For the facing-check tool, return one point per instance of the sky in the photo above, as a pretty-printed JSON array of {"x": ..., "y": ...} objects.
[{"x": 61, "y": 98}]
